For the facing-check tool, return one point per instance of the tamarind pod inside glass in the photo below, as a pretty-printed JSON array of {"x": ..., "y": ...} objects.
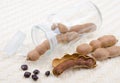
[
  {"x": 67, "y": 37},
  {"x": 84, "y": 28}
]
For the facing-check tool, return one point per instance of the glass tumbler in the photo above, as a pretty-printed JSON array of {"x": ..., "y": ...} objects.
[{"x": 67, "y": 25}]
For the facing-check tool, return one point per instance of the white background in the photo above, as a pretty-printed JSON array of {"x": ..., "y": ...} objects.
[{"x": 23, "y": 14}]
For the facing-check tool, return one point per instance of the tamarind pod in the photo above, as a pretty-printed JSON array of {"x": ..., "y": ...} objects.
[
  {"x": 71, "y": 36},
  {"x": 62, "y": 28},
  {"x": 84, "y": 49},
  {"x": 105, "y": 53},
  {"x": 62, "y": 38},
  {"x": 107, "y": 40},
  {"x": 100, "y": 54},
  {"x": 45, "y": 46},
  {"x": 38, "y": 51},
  {"x": 102, "y": 42},
  {"x": 67, "y": 37},
  {"x": 113, "y": 51},
  {"x": 42, "y": 48},
  {"x": 84, "y": 28},
  {"x": 33, "y": 55},
  {"x": 95, "y": 44}
]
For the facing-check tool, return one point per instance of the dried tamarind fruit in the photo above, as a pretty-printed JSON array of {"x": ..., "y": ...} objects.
[
  {"x": 102, "y": 42},
  {"x": 84, "y": 28},
  {"x": 105, "y": 53},
  {"x": 84, "y": 49}
]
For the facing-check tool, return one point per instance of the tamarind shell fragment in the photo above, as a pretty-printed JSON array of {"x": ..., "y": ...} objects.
[
  {"x": 57, "y": 61},
  {"x": 72, "y": 61}
]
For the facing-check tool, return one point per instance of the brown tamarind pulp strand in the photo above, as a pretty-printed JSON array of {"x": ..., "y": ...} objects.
[{"x": 78, "y": 61}]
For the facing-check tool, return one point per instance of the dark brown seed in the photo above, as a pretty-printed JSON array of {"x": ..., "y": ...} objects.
[
  {"x": 35, "y": 77},
  {"x": 47, "y": 73},
  {"x": 27, "y": 74},
  {"x": 36, "y": 71},
  {"x": 24, "y": 67}
]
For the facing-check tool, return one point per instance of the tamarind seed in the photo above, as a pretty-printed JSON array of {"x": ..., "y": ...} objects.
[
  {"x": 35, "y": 77},
  {"x": 24, "y": 67},
  {"x": 36, "y": 71},
  {"x": 27, "y": 74},
  {"x": 47, "y": 73}
]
